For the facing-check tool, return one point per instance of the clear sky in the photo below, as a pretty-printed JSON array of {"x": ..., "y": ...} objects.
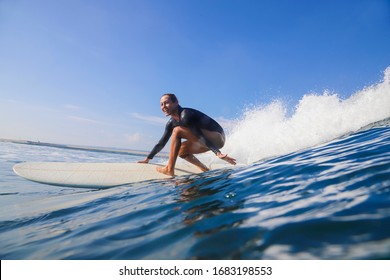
[{"x": 92, "y": 72}]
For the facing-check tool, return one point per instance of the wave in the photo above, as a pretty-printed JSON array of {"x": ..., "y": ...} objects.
[{"x": 268, "y": 131}]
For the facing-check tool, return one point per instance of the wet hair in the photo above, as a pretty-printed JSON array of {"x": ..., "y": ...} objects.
[{"x": 172, "y": 97}]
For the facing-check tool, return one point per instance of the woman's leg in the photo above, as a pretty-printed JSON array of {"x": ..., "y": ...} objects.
[
  {"x": 177, "y": 134},
  {"x": 187, "y": 149}
]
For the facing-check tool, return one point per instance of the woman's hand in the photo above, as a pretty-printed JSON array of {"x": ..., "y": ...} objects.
[
  {"x": 226, "y": 158},
  {"x": 144, "y": 161}
]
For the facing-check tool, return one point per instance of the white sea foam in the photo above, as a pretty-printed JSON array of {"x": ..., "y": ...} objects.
[{"x": 269, "y": 130}]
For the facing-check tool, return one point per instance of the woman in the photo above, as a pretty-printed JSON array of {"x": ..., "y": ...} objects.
[{"x": 201, "y": 132}]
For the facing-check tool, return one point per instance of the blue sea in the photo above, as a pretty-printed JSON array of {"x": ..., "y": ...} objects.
[
  {"x": 331, "y": 201},
  {"x": 313, "y": 183}
]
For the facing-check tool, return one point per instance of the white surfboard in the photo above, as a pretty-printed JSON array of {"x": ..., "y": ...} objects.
[{"x": 94, "y": 175}]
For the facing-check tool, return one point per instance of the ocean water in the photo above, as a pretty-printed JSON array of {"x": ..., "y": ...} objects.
[{"x": 313, "y": 183}]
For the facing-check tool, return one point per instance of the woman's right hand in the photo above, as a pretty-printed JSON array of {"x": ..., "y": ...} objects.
[{"x": 144, "y": 161}]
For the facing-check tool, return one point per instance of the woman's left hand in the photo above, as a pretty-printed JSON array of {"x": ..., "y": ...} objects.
[{"x": 225, "y": 157}]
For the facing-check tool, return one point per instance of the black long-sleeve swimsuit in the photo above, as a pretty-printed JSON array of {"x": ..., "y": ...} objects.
[{"x": 195, "y": 121}]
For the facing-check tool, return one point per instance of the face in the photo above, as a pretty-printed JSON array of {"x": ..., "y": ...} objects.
[{"x": 167, "y": 106}]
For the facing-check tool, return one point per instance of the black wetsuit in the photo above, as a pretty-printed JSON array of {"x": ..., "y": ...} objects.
[{"x": 195, "y": 121}]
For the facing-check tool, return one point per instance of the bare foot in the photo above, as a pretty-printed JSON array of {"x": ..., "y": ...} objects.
[{"x": 164, "y": 170}]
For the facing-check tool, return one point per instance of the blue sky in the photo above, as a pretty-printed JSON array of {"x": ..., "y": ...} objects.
[{"x": 92, "y": 72}]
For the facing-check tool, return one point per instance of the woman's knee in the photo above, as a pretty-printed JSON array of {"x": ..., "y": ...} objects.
[
  {"x": 177, "y": 132},
  {"x": 183, "y": 155}
]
